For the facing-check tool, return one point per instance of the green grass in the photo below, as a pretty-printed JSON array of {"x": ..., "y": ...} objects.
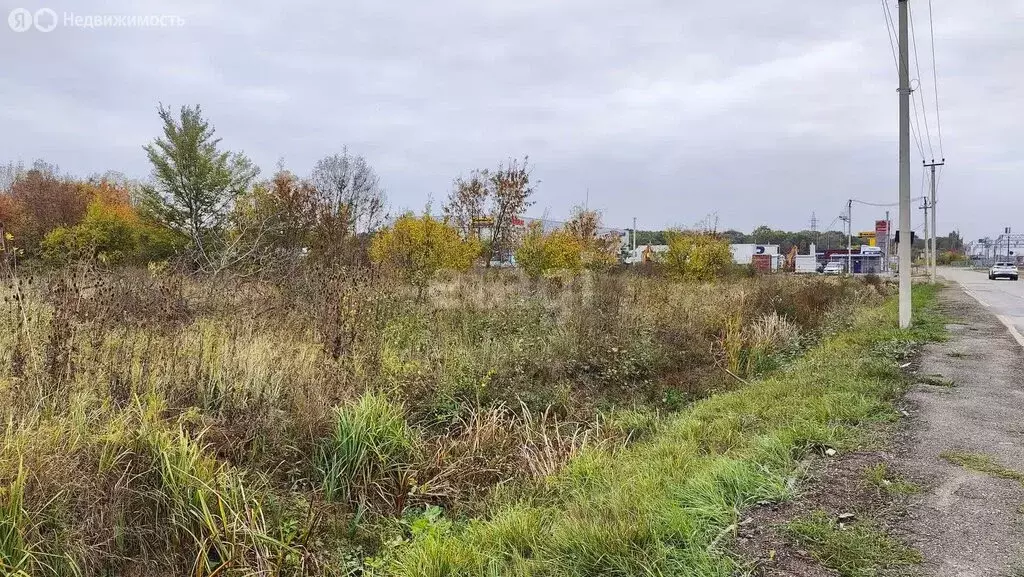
[
  {"x": 983, "y": 464},
  {"x": 668, "y": 506},
  {"x": 880, "y": 477},
  {"x": 860, "y": 549},
  {"x": 370, "y": 442}
]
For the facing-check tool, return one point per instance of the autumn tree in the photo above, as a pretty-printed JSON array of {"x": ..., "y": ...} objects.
[
  {"x": 698, "y": 256},
  {"x": 111, "y": 231},
  {"x": 599, "y": 251},
  {"x": 285, "y": 207},
  {"x": 468, "y": 201},
  {"x": 196, "y": 183},
  {"x": 540, "y": 252},
  {"x": 39, "y": 201},
  {"x": 9, "y": 174},
  {"x": 420, "y": 246},
  {"x": 510, "y": 197}
]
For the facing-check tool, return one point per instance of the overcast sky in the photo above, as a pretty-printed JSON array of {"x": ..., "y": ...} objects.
[{"x": 763, "y": 112}]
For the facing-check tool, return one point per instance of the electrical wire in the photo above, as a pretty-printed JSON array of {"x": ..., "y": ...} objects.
[
  {"x": 919, "y": 91},
  {"x": 885, "y": 204},
  {"x": 935, "y": 78},
  {"x": 890, "y": 26}
]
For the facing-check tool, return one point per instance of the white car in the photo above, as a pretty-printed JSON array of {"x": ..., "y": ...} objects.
[
  {"x": 834, "y": 268},
  {"x": 1003, "y": 270}
]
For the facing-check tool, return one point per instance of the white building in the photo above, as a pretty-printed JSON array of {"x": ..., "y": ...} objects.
[{"x": 744, "y": 253}]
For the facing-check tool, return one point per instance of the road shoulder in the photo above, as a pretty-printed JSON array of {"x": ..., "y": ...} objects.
[
  {"x": 947, "y": 479},
  {"x": 968, "y": 520}
]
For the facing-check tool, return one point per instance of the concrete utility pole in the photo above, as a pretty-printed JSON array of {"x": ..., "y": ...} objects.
[
  {"x": 889, "y": 242},
  {"x": 849, "y": 236},
  {"x": 935, "y": 230},
  {"x": 927, "y": 254},
  {"x": 906, "y": 304},
  {"x": 634, "y": 233}
]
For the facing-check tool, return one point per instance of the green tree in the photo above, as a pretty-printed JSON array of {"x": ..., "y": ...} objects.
[
  {"x": 419, "y": 247},
  {"x": 195, "y": 183}
]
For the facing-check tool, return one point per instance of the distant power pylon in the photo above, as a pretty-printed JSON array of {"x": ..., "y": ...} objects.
[{"x": 814, "y": 222}]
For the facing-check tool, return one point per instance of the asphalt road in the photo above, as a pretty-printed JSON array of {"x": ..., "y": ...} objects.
[
  {"x": 966, "y": 522},
  {"x": 1003, "y": 298}
]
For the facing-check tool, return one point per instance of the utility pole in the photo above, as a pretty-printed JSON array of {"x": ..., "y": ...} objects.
[
  {"x": 927, "y": 255},
  {"x": 634, "y": 233},
  {"x": 888, "y": 241},
  {"x": 849, "y": 236},
  {"x": 906, "y": 304},
  {"x": 935, "y": 230}
]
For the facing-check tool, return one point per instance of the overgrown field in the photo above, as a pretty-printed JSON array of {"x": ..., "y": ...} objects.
[{"x": 339, "y": 423}]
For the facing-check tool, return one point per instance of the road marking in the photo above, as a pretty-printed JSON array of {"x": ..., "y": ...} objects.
[
  {"x": 1013, "y": 329},
  {"x": 1003, "y": 319}
]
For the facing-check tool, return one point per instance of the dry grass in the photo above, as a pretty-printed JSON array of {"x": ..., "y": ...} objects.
[{"x": 162, "y": 424}]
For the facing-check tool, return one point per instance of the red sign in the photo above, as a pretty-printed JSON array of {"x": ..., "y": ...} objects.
[{"x": 881, "y": 227}]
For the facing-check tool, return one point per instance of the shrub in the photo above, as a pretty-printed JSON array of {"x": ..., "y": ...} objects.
[
  {"x": 697, "y": 256},
  {"x": 419, "y": 247},
  {"x": 112, "y": 233},
  {"x": 541, "y": 253}
]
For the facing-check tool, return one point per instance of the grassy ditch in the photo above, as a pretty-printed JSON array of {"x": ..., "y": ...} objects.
[
  {"x": 669, "y": 505},
  {"x": 333, "y": 423}
]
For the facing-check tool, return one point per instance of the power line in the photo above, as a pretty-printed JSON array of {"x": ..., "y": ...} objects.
[
  {"x": 829, "y": 227},
  {"x": 917, "y": 66},
  {"x": 935, "y": 77},
  {"x": 890, "y": 26},
  {"x": 884, "y": 204}
]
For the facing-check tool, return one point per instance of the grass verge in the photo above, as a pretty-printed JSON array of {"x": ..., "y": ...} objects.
[{"x": 669, "y": 506}]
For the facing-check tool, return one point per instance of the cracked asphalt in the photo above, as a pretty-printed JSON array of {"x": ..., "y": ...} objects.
[{"x": 968, "y": 523}]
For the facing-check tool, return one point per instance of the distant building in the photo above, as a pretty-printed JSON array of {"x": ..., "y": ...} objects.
[
  {"x": 763, "y": 256},
  {"x": 645, "y": 253}
]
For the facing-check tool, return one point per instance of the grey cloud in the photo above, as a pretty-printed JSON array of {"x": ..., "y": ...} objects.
[{"x": 763, "y": 112}]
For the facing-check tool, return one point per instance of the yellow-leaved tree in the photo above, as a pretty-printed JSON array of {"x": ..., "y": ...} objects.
[
  {"x": 420, "y": 246},
  {"x": 540, "y": 252},
  {"x": 698, "y": 256},
  {"x": 600, "y": 251}
]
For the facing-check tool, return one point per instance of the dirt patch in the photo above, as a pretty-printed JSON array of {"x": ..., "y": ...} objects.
[
  {"x": 967, "y": 399},
  {"x": 848, "y": 489}
]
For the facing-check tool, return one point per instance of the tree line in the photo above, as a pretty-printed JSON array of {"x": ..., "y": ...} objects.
[{"x": 206, "y": 209}]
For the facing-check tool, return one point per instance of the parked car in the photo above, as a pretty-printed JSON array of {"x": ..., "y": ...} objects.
[
  {"x": 834, "y": 268},
  {"x": 1003, "y": 270}
]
